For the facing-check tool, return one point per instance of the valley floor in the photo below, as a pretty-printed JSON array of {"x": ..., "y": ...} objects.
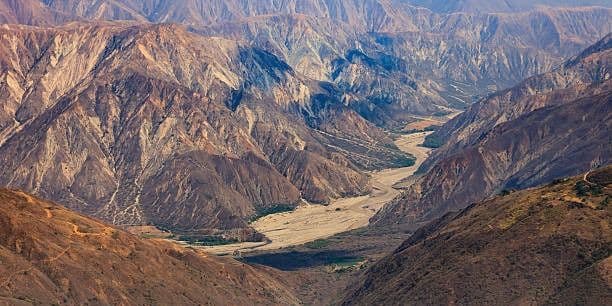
[{"x": 311, "y": 222}]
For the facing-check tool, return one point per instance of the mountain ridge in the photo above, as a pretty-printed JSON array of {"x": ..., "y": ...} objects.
[
  {"x": 516, "y": 138},
  {"x": 141, "y": 111}
]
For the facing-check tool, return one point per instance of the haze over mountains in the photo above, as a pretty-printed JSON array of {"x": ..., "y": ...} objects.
[{"x": 483, "y": 6}]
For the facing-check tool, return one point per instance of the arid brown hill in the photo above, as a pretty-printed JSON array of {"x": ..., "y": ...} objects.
[
  {"x": 544, "y": 246},
  {"x": 550, "y": 126},
  {"x": 51, "y": 255}
]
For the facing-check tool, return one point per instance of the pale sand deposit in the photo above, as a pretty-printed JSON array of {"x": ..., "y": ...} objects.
[{"x": 311, "y": 222}]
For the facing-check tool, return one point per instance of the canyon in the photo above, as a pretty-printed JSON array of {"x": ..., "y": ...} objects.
[
  {"x": 309, "y": 222},
  {"x": 318, "y": 152},
  {"x": 549, "y": 126},
  {"x": 266, "y": 104}
]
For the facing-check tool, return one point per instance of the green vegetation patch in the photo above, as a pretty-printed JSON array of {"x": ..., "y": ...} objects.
[
  {"x": 431, "y": 141},
  {"x": 317, "y": 244},
  {"x": 506, "y": 192},
  {"x": 346, "y": 264},
  {"x": 431, "y": 128},
  {"x": 206, "y": 240},
  {"x": 405, "y": 161},
  {"x": 276, "y": 209},
  {"x": 604, "y": 203},
  {"x": 584, "y": 189}
]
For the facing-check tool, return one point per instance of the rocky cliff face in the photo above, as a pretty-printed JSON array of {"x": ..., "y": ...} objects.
[
  {"x": 552, "y": 244},
  {"x": 50, "y": 255},
  {"x": 149, "y": 123},
  {"x": 550, "y": 126}
]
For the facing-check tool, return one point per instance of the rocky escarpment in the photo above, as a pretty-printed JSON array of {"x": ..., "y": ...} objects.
[
  {"x": 573, "y": 79},
  {"x": 550, "y": 126},
  {"x": 552, "y": 244},
  {"x": 50, "y": 254},
  {"x": 151, "y": 124}
]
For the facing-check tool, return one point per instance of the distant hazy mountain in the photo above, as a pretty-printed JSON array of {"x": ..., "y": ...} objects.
[
  {"x": 389, "y": 58},
  {"x": 499, "y": 6}
]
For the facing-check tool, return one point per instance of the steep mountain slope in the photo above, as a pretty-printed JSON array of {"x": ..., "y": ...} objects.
[
  {"x": 150, "y": 123},
  {"x": 31, "y": 12},
  {"x": 51, "y": 255},
  {"x": 550, "y": 126},
  {"x": 101, "y": 116},
  {"x": 545, "y": 246},
  {"x": 367, "y": 15},
  {"x": 591, "y": 66}
]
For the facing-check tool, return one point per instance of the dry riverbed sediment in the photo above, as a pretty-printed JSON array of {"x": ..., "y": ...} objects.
[{"x": 311, "y": 222}]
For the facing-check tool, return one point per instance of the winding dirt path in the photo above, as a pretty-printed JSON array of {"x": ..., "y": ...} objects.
[{"x": 311, "y": 222}]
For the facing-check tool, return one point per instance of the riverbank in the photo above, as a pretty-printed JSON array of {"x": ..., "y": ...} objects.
[{"x": 311, "y": 222}]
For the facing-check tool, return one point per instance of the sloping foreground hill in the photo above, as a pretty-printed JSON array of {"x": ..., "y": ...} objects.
[
  {"x": 50, "y": 255},
  {"x": 549, "y": 245}
]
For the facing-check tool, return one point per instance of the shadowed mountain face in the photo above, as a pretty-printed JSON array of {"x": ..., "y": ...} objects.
[
  {"x": 550, "y": 126},
  {"x": 545, "y": 246},
  {"x": 447, "y": 60},
  {"x": 51, "y": 255}
]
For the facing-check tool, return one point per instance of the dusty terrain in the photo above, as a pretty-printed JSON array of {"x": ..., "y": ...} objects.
[
  {"x": 552, "y": 244},
  {"x": 51, "y": 255},
  {"x": 310, "y": 222}
]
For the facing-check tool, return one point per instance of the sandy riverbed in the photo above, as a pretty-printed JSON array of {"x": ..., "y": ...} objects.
[{"x": 311, "y": 222}]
